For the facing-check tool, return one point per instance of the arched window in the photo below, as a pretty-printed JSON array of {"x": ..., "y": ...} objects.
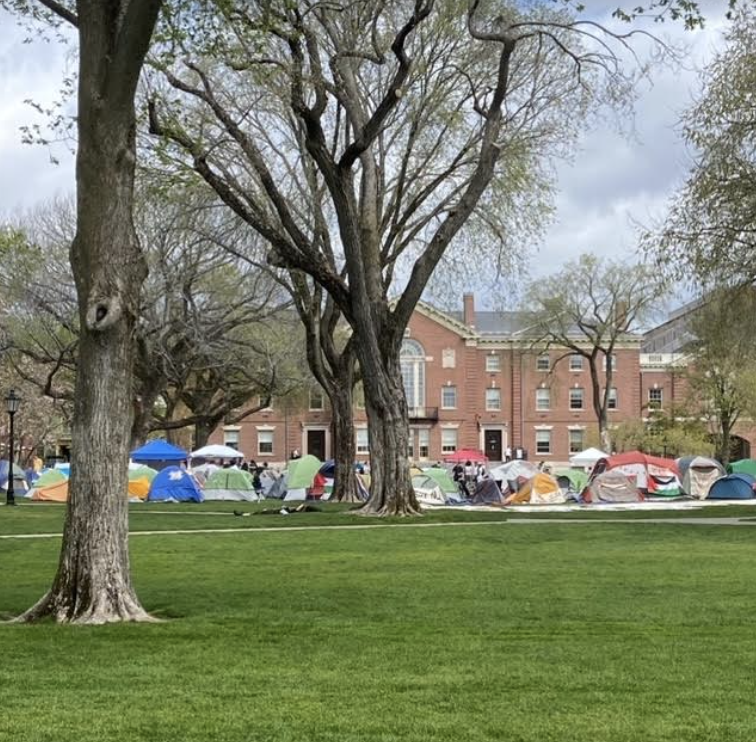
[{"x": 412, "y": 358}]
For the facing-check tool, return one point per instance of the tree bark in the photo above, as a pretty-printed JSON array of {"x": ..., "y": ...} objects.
[
  {"x": 344, "y": 445},
  {"x": 391, "y": 491},
  {"x": 202, "y": 432},
  {"x": 93, "y": 582}
]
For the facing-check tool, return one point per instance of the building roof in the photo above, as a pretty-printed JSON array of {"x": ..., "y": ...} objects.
[{"x": 498, "y": 323}]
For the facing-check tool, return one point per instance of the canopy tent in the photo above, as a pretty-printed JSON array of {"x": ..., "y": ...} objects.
[
  {"x": 698, "y": 474},
  {"x": 587, "y": 458},
  {"x": 514, "y": 470},
  {"x": 571, "y": 480},
  {"x": 216, "y": 451},
  {"x": 442, "y": 479},
  {"x": 612, "y": 486},
  {"x": 57, "y": 492},
  {"x": 139, "y": 488},
  {"x": 654, "y": 475},
  {"x": 142, "y": 472},
  {"x": 487, "y": 492},
  {"x": 229, "y": 484},
  {"x": 159, "y": 451},
  {"x": 542, "y": 489},
  {"x": 733, "y": 487},
  {"x": 467, "y": 454},
  {"x": 174, "y": 484},
  {"x": 744, "y": 466}
]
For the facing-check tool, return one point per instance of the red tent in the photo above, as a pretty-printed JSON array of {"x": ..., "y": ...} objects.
[
  {"x": 652, "y": 474},
  {"x": 467, "y": 454}
]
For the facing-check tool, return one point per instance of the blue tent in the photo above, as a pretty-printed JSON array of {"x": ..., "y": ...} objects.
[
  {"x": 733, "y": 487},
  {"x": 159, "y": 451},
  {"x": 19, "y": 476},
  {"x": 174, "y": 483}
]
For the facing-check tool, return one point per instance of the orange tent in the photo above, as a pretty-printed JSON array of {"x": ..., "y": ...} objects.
[
  {"x": 139, "y": 488},
  {"x": 57, "y": 492}
]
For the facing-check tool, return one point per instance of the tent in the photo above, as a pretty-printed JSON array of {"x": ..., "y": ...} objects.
[
  {"x": 57, "y": 492},
  {"x": 20, "y": 485},
  {"x": 698, "y": 473},
  {"x": 733, "y": 487},
  {"x": 654, "y": 475},
  {"x": 229, "y": 484},
  {"x": 442, "y": 479},
  {"x": 142, "y": 472},
  {"x": 587, "y": 458},
  {"x": 174, "y": 484},
  {"x": 514, "y": 470},
  {"x": 160, "y": 453},
  {"x": 612, "y": 486},
  {"x": 64, "y": 467},
  {"x": 467, "y": 454},
  {"x": 300, "y": 475},
  {"x": 571, "y": 480},
  {"x": 216, "y": 451},
  {"x": 427, "y": 490},
  {"x": 744, "y": 466},
  {"x": 139, "y": 488},
  {"x": 48, "y": 478},
  {"x": 542, "y": 489},
  {"x": 487, "y": 492}
]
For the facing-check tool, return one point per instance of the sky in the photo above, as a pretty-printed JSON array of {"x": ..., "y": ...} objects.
[{"x": 614, "y": 181}]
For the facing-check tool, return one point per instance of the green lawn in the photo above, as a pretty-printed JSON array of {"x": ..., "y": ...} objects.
[{"x": 600, "y": 633}]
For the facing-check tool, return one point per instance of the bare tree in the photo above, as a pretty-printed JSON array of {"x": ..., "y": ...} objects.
[{"x": 588, "y": 308}]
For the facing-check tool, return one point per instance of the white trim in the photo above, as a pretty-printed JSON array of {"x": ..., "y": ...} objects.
[
  {"x": 265, "y": 427},
  {"x": 577, "y": 427},
  {"x": 543, "y": 427},
  {"x": 324, "y": 428},
  {"x": 449, "y": 425},
  {"x": 231, "y": 428}
]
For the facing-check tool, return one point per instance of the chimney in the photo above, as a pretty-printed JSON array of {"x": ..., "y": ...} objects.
[{"x": 468, "y": 303}]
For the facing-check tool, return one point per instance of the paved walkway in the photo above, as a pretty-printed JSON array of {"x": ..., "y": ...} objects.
[{"x": 369, "y": 526}]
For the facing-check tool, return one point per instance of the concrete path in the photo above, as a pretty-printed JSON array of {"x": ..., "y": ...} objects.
[{"x": 369, "y": 526}]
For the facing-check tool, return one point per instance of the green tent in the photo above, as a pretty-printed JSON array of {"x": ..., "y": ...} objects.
[
  {"x": 143, "y": 472},
  {"x": 301, "y": 472},
  {"x": 229, "y": 479},
  {"x": 578, "y": 479},
  {"x": 442, "y": 479},
  {"x": 744, "y": 466},
  {"x": 50, "y": 477}
]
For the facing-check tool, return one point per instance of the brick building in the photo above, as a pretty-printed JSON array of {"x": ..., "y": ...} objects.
[{"x": 474, "y": 380}]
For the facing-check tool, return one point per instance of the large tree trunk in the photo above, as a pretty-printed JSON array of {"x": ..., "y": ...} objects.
[
  {"x": 93, "y": 582},
  {"x": 391, "y": 491},
  {"x": 725, "y": 432},
  {"x": 202, "y": 433},
  {"x": 344, "y": 445}
]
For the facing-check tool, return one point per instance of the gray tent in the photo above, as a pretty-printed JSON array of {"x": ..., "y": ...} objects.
[
  {"x": 698, "y": 474},
  {"x": 487, "y": 493},
  {"x": 229, "y": 484},
  {"x": 613, "y": 486}
]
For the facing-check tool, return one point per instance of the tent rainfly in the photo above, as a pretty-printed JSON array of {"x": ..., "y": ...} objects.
[
  {"x": 587, "y": 458},
  {"x": 216, "y": 451}
]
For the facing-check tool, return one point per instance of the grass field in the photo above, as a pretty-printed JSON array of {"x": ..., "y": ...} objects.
[{"x": 594, "y": 632}]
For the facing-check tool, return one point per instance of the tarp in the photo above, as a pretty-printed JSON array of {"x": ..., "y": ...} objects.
[
  {"x": 467, "y": 454},
  {"x": 613, "y": 486},
  {"x": 216, "y": 451},
  {"x": 174, "y": 484},
  {"x": 653, "y": 475},
  {"x": 143, "y": 472},
  {"x": 514, "y": 470},
  {"x": 139, "y": 488},
  {"x": 159, "y": 450},
  {"x": 427, "y": 490},
  {"x": 52, "y": 493},
  {"x": 587, "y": 458},
  {"x": 542, "y": 489},
  {"x": 744, "y": 466},
  {"x": 733, "y": 487},
  {"x": 301, "y": 472},
  {"x": 229, "y": 484},
  {"x": 698, "y": 474}
]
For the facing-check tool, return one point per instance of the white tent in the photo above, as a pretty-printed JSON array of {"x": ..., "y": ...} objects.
[
  {"x": 216, "y": 451},
  {"x": 588, "y": 457}
]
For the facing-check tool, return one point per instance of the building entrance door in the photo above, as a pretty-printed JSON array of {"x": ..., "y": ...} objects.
[
  {"x": 492, "y": 443},
  {"x": 316, "y": 443}
]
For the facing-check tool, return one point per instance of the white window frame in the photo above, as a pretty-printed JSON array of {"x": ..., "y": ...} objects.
[
  {"x": 612, "y": 402},
  {"x": 574, "y": 390},
  {"x": 540, "y": 362},
  {"x": 266, "y": 443},
  {"x": 576, "y": 362},
  {"x": 613, "y": 361},
  {"x": 446, "y": 435},
  {"x": 656, "y": 404},
  {"x": 361, "y": 441},
  {"x": 495, "y": 405},
  {"x": 231, "y": 437},
  {"x": 578, "y": 447},
  {"x": 546, "y": 435},
  {"x": 312, "y": 407},
  {"x": 545, "y": 392},
  {"x": 444, "y": 390},
  {"x": 493, "y": 363},
  {"x": 423, "y": 443}
]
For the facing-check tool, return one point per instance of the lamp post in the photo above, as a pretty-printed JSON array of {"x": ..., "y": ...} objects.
[{"x": 12, "y": 403}]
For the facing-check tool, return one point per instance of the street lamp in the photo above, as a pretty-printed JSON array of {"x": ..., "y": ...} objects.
[{"x": 12, "y": 403}]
